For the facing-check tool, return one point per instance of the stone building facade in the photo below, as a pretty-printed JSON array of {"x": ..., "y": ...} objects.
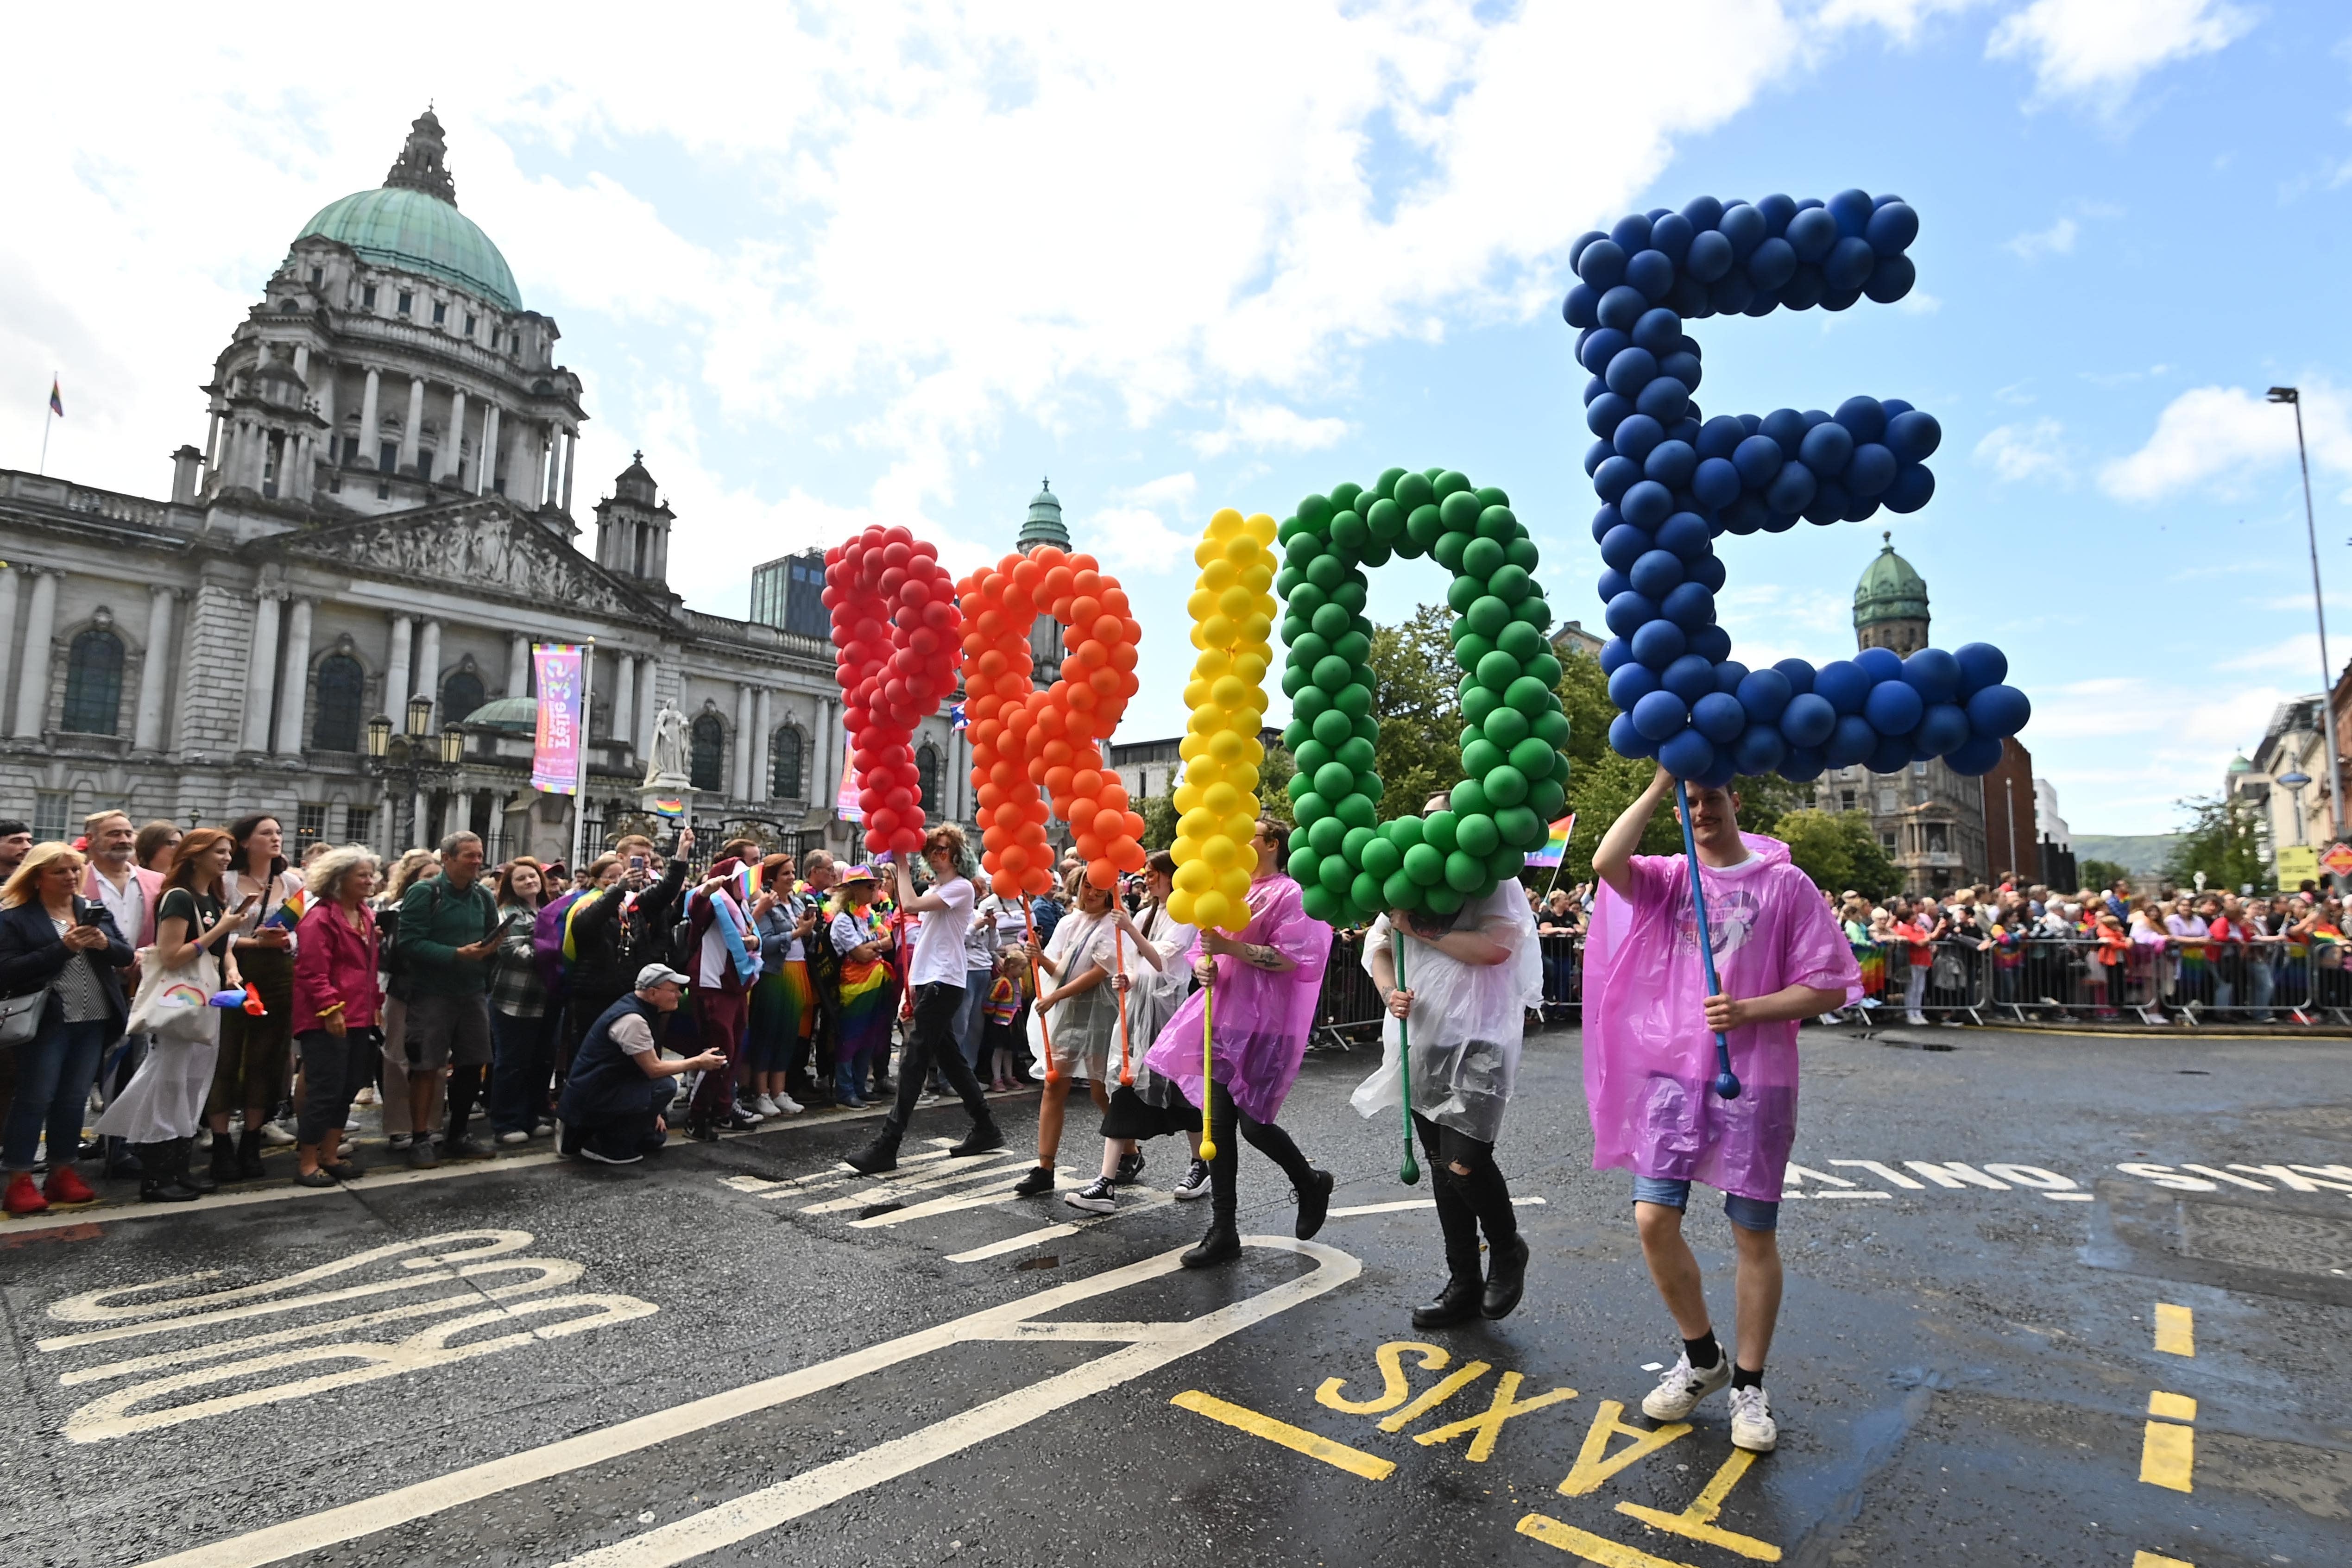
[
  {"x": 380, "y": 522},
  {"x": 1928, "y": 819}
]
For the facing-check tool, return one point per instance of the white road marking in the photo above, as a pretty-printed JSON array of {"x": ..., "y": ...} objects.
[
  {"x": 1152, "y": 1345},
  {"x": 964, "y": 1173},
  {"x": 1055, "y": 1233},
  {"x": 1850, "y": 1192},
  {"x": 833, "y": 1176},
  {"x": 1885, "y": 1173},
  {"x": 377, "y": 1179},
  {"x": 952, "y": 1205},
  {"x": 1402, "y": 1204}
]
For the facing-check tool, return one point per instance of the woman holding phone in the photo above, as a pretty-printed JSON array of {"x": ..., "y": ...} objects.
[
  {"x": 522, "y": 1055},
  {"x": 56, "y": 943},
  {"x": 250, "y": 1075}
]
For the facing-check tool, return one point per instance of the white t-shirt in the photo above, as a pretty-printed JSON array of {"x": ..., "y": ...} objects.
[{"x": 939, "y": 943}]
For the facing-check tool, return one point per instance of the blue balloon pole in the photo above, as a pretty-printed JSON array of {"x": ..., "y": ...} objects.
[{"x": 1726, "y": 1082}]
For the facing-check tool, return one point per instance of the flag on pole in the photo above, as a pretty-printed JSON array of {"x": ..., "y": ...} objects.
[
  {"x": 57, "y": 399},
  {"x": 1555, "y": 847}
]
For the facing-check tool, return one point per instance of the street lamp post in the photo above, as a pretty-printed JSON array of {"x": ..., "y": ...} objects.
[
  {"x": 408, "y": 756},
  {"x": 2293, "y": 398},
  {"x": 2295, "y": 784}
]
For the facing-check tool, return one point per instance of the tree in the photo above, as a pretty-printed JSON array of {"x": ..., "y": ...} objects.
[
  {"x": 1837, "y": 851},
  {"x": 1274, "y": 782},
  {"x": 2099, "y": 875},
  {"x": 1418, "y": 751},
  {"x": 2218, "y": 838},
  {"x": 1160, "y": 814}
]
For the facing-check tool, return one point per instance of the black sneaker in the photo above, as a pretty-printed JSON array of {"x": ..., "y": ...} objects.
[
  {"x": 1095, "y": 1197},
  {"x": 1131, "y": 1169},
  {"x": 1039, "y": 1180},
  {"x": 881, "y": 1155},
  {"x": 984, "y": 1137},
  {"x": 1313, "y": 1202},
  {"x": 1195, "y": 1183}
]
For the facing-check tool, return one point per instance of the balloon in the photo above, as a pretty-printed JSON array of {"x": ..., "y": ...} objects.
[
  {"x": 1222, "y": 771},
  {"x": 898, "y": 633}
]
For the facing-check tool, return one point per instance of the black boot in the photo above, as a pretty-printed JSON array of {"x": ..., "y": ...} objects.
[
  {"x": 1457, "y": 1303},
  {"x": 224, "y": 1158},
  {"x": 249, "y": 1155},
  {"x": 1221, "y": 1245},
  {"x": 881, "y": 1155},
  {"x": 157, "y": 1185},
  {"x": 1314, "y": 1202},
  {"x": 180, "y": 1156},
  {"x": 1506, "y": 1277},
  {"x": 985, "y": 1136}
]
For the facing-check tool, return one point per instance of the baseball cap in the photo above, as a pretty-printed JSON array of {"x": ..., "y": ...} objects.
[{"x": 656, "y": 974}]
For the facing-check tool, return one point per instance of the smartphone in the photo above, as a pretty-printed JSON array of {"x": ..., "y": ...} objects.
[{"x": 637, "y": 862}]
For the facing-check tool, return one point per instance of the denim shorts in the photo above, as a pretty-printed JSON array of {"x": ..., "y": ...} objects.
[{"x": 1747, "y": 1213}]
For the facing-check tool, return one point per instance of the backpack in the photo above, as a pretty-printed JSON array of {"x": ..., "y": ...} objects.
[{"x": 398, "y": 983}]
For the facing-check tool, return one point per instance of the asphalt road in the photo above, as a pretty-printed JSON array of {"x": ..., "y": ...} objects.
[{"x": 2050, "y": 1300}]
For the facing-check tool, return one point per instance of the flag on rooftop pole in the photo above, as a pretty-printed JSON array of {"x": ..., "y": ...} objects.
[{"x": 56, "y": 398}]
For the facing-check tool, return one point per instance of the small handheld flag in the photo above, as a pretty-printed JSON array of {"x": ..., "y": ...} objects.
[{"x": 1555, "y": 848}]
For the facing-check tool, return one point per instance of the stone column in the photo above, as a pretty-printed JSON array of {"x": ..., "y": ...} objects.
[
  {"x": 420, "y": 829},
  {"x": 370, "y": 413},
  {"x": 763, "y": 781},
  {"x": 412, "y": 429},
  {"x": 486, "y": 456},
  {"x": 453, "y": 455},
  {"x": 624, "y": 697},
  {"x": 261, "y": 672},
  {"x": 395, "y": 675},
  {"x": 522, "y": 470},
  {"x": 649, "y": 703},
  {"x": 8, "y": 580},
  {"x": 32, "y": 684},
  {"x": 740, "y": 775},
  {"x": 147, "y": 727},
  {"x": 326, "y": 401},
  {"x": 427, "y": 681},
  {"x": 302, "y": 363},
  {"x": 571, "y": 456},
  {"x": 518, "y": 665},
  {"x": 294, "y": 681},
  {"x": 212, "y": 444}
]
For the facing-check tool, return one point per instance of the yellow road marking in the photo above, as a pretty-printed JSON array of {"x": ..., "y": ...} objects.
[
  {"x": 2176, "y": 1330},
  {"x": 2150, "y": 1560},
  {"x": 1697, "y": 1520},
  {"x": 2167, "y": 1455},
  {"x": 1355, "y": 1461},
  {"x": 1437, "y": 1395},
  {"x": 1489, "y": 1427},
  {"x": 1595, "y": 1463},
  {"x": 2172, "y": 1406},
  {"x": 1593, "y": 1548},
  {"x": 1394, "y": 1385}
]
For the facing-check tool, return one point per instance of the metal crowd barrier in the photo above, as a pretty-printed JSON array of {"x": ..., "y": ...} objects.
[{"x": 1349, "y": 1012}]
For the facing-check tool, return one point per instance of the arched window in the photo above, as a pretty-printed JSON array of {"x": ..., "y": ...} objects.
[
  {"x": 707, "y": 763},
  {"x": 784, "y": 765},
  {"x": 461, "y": 693},
  {"x": 340, "y": 685},
  {"x": 94, "y": 683},
  {"x": 927, "y": 778}
]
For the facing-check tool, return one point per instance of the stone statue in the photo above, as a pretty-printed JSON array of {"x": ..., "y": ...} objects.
[{"x": 667, "y": 764}]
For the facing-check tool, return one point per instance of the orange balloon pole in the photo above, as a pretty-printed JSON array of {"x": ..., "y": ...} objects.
[
  {"x": 1119, "y": 962},
  {"x": 1053, "y": 1074}
]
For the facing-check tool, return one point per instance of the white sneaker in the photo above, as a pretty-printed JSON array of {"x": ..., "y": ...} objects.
[
  {"x": 1752, "y": 1427},
  {"x": 765, "y": 1105},
  {"x": 785, "y": 1105},
  {"x": 511, "y": 1139},
  {"x": 276, "y": 1134},
  {"x": 1195, "y": 1182},
  {"x": 1916, "y": 1020},
  {"x": 366, "y": 1097},
  {"x": 1684, "y": 1386},
  {"x": 397, "y": 1141}
]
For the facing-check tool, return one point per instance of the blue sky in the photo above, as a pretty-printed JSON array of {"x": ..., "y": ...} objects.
[{"x": 834, "y": 266}]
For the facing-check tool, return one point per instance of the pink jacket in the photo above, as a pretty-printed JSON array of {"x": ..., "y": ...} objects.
[
  {"x": 333, "y": 962},
  {"x": 152, "y": 884}
]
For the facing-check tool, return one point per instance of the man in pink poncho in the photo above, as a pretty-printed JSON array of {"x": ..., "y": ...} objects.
[
  {"x": 1266, "y": 980},
  {"x": 1649, "y": 1067}
]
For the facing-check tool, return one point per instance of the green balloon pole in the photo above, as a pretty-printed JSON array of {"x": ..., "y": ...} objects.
[{"x": 1411, "y": 1173}]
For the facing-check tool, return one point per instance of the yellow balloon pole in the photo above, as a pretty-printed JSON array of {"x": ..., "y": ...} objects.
[{"x": 1233, "y": 610}]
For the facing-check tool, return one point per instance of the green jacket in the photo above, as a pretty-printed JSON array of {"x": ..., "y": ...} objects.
[{"x": 436, "y": 920}]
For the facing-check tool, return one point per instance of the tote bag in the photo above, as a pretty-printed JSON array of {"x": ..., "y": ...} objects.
[{"x": 175, "y": 1003}]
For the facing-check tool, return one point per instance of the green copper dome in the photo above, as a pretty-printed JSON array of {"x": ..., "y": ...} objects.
[
  {"x": 399, "y": 227},
  {"x": 1889, "y": 590},
  {"x": 1044, "y": 525}
]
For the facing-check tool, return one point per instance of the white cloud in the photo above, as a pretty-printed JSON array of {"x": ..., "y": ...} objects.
[
  {"x": 1920, "y": 302},
  {"x": 2035, "y": 451},
  {"x": 2223, "y": 436},
  {"x": 1269, "y": 427},
  {"x": 2058, "y": 239},
  {"x": 2097, "y": 50},
  {"x": 1137, "y": 538}
]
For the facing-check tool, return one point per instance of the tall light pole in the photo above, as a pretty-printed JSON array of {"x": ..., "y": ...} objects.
[{"x": 2293, "y": 397}]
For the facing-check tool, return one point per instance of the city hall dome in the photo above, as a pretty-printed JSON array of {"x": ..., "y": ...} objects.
[{"x": 411, "y": 223}]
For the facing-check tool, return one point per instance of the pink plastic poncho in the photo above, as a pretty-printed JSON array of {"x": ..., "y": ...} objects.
[
  {"x": 1262, "y": 1018},
  {"x": 1649, "y": 1057}
]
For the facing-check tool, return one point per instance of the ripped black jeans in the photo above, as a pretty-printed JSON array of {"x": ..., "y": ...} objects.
[{"x": 1465, "y": 1202}]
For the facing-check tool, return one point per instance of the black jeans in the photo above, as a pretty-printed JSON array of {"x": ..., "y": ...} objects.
[
  {"x": 1466, "y": 1202},
  {"x": 932, "y": 1039},
  {"x": 1264, "y": 1136},
  {"x": 332, "y": 1071}
]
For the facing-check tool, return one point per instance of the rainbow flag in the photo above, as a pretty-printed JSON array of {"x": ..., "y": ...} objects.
[
  {"x": 746, "y": 885},
  {"x": 672, "y": 806},
  {"x": 290, "y": 914},
  {"x": 1555, "y": 847},
  {"x": 57, "y": 399}
]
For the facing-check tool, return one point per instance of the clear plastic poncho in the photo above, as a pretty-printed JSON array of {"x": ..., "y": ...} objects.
[
  {"x": 1082, "y": 1027},
  {"x": 1263, "y": 1016},
  {"x": 1649, "y": 1057},
  {"x": 1468, "y": 1021}
]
